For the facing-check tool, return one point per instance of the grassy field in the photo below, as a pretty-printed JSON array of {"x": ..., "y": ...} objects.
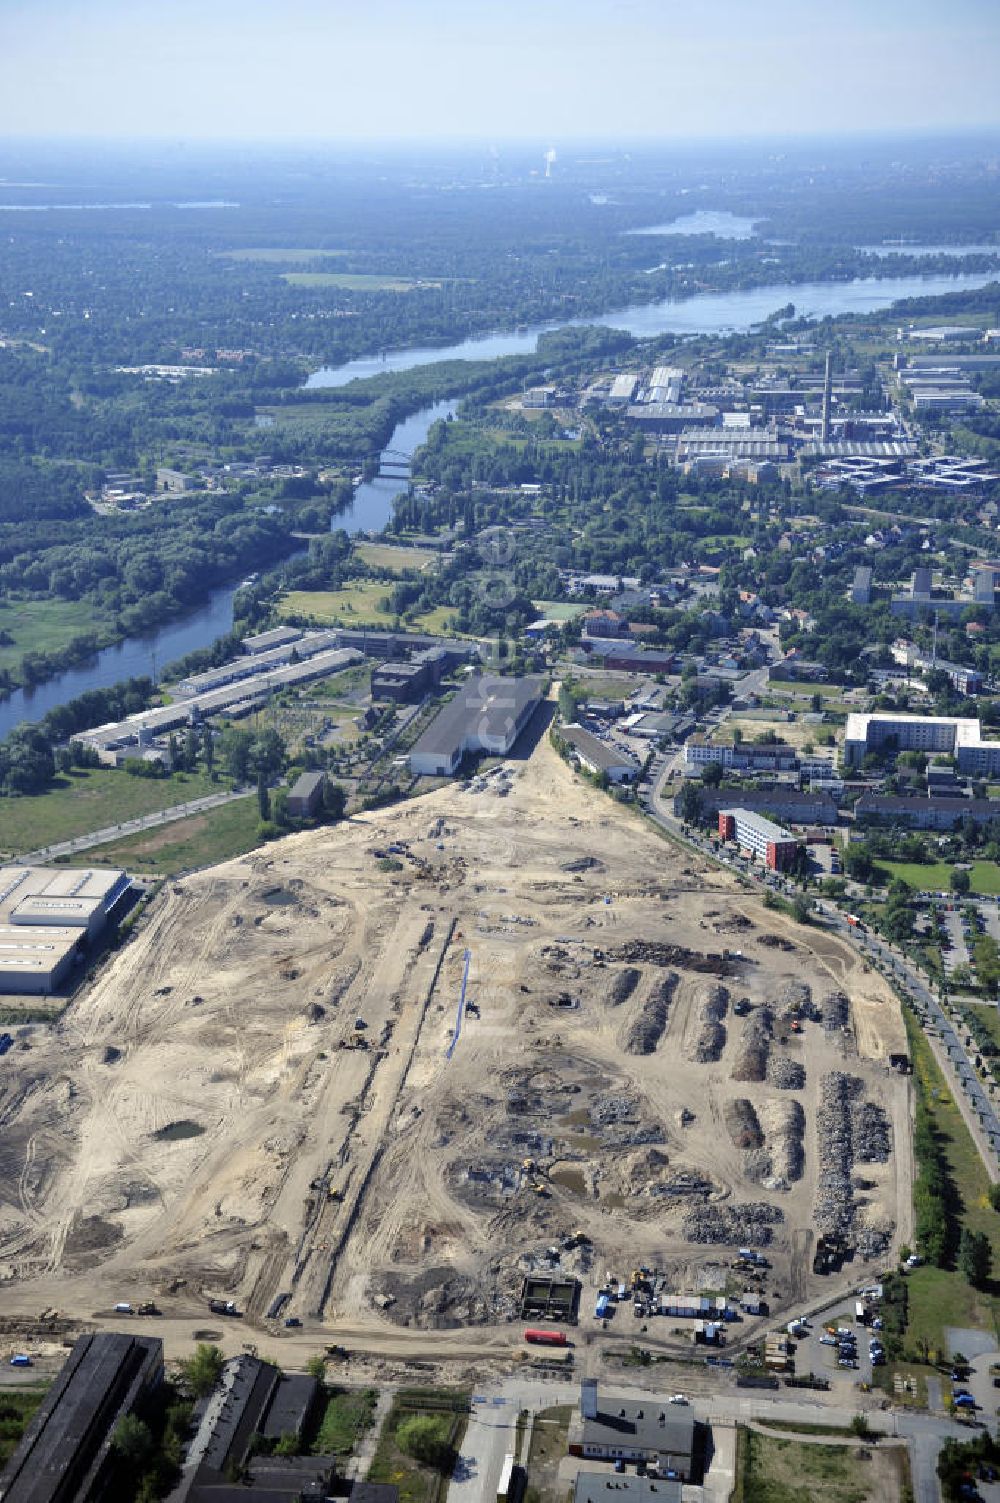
[
  {"x": 385, "y": 556},
  {"x": 353, "y": 281},
  {"x": 348, "y": 1414},
  {"x": 936, "y": 876},
  {"x": 17, "y": 1406},
  {"x": 774, "y": 1470},
  {"x": 46, "y": 625},
  {"x": 559, "y": 610},
  {"x": 990, "y": 1018},
  {"x": 941, "y": 1297},
  {"x": 360, "y": 602},
  {"x": 201, "y": 840},
  {"x": 93, "y": 799}
]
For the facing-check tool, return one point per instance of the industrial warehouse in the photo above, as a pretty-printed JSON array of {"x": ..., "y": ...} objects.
[
  {"x": 486, "y": 715},
  {"x": 46, "y": 919}
]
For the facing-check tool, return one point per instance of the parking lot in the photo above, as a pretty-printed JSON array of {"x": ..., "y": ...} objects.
[
  {"x": 817, "y": 1353},
  {"x": 958, "y": 953}
]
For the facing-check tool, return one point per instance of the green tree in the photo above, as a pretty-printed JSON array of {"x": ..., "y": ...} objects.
[
  {"x": 202, "y": 1371},
  {"x": 334, "y": 800},
  {"x": 975, "y": 1257},
  {"x": 711, "y": 774},
  {"x": 316, "y": 1367},
  {"x": 691, "y": 803},
  {"x": 263, "y": 797},
  {"x": 132, "y": 1441},
  {"x": 425, "y": 1438},
  {"x": 960, "y": 880}
]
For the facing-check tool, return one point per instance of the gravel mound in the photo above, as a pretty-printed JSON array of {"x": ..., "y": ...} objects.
[
  {"x": 742, "y": 1123},
  {"x": 650, "y": 1023},
  {"x": 754, "y": 1046},
  {"x": 711, "y": 1040},
  {"x": 623, "y": 984},
  {"x": 785, "y": 1125}
]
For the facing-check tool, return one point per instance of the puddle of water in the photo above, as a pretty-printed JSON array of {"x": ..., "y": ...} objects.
[
  {"x": 176, "y": 1132},
  {"x": 570, "y": 1179}
]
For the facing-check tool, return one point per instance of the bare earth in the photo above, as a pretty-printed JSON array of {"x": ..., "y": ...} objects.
[{"x": 391, "y": 1186}]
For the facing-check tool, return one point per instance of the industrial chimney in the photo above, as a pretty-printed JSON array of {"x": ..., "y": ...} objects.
[{"x": 824, "y": 431}]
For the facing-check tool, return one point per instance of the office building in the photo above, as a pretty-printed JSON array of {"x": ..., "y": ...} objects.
[{"x": 773, "y": 846}]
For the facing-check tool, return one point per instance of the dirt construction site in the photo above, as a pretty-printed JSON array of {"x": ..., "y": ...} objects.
[{"x": 372, "y": 1077}]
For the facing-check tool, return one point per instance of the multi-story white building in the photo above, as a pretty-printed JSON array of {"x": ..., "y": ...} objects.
[
  {"x": 774, "y": 847},
  {"x": 962, "y": 739}
]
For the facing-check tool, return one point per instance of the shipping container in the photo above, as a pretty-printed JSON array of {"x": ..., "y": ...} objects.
[{"x": 545, "y": 1338}]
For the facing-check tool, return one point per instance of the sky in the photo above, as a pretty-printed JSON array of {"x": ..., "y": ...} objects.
[{"x": 481, "y": 70}]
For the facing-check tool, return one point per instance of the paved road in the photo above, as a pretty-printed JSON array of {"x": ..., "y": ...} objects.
[
  {"x": 135, "y": 826},
  {"x": 490, "y": 1435}
]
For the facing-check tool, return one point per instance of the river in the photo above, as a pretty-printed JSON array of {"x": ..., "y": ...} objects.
[
  {"x": 371, "y": 509},
  {"x": 705, "y": 313}
]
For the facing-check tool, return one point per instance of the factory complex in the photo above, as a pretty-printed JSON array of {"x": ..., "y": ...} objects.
[{"x": 46, "y": 919}]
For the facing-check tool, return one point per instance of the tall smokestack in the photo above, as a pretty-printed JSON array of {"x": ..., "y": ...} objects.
[{"x": 824, "y": 431}]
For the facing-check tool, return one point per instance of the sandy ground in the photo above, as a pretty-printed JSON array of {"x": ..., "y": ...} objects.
[{"x": 201, "y": 1123}]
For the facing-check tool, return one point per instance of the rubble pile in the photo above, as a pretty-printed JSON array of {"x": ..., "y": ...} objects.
[
  {"x": 751, "y": 1223},
  {"x": 623, "y": 985},
  {"x": 652, "y": 952},
  {"x": 795, "y": 1000},
  {"x": 785, "y": 1125},
  {"x": 754, "y": 1046},
  {"x": 785, "y": 1073},
  {"x": 742, "y": 1123},
  {"x": 835, "y": 1145},
  {"x": 872, "y": 1134},
  {"x": 836, "y": 1011},
  {"x": 650, "y": 1022},
  {"x": 711, "y": 1038}
]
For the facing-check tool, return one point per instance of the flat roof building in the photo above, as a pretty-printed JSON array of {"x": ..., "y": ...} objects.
[
  {"x": 306, "y": 795},
  {"x": 486, "y": 715},
  {"x": 598, "y": 1487},
  {"x": 771, "y": 844},
  {"x": 46, "y": 916},
  {"x": 278, "y": 636},
  {"x": 648, "y": 1429},
  {"x": 64, "y": 1455},
  {"x": 600, "y": 756},
  {"x": 962, "y": 739}
]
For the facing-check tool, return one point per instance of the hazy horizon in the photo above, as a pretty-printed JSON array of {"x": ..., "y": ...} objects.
[{"x": 441, "y": 72}]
